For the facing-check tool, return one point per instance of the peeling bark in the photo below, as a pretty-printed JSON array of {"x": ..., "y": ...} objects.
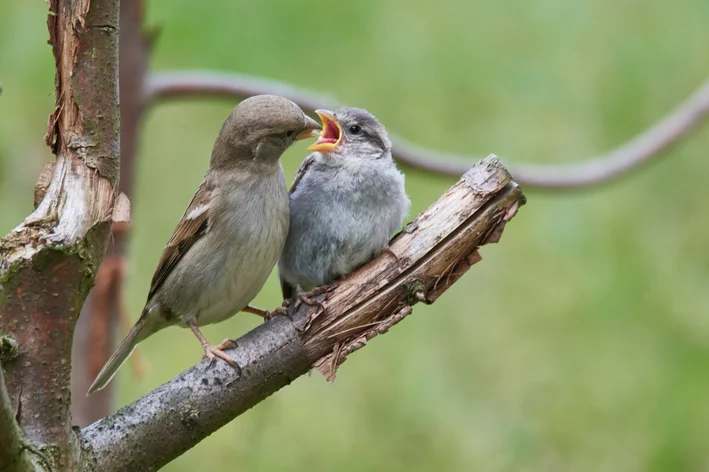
[
  {"x": 431, "y": 254},
  {"x": 48, "y": 263},
  {"x": 103, "y": 312}
]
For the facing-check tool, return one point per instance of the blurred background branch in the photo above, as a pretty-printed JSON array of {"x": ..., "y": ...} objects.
[
  {"x": 647, "y": 145},
  {"x": 96, "y": 331}
]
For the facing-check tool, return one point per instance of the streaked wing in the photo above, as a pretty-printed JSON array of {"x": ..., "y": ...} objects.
[
  {"x": 301, "y": 172},
  {"x": 193, "y": 225}
]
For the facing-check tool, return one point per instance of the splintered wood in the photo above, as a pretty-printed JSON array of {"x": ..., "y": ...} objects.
[{"x": 427, "y": 257}]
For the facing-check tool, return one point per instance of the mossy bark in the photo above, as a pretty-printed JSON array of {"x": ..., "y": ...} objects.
[{"x": 49, "y": 262}]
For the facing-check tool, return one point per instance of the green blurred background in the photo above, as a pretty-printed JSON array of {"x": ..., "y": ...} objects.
[{"x": 581, "y": 342}]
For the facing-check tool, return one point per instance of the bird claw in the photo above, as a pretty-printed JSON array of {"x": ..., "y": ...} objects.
[
  {"x": 281, "y": 310},
  {"x": 308, "y": 298},
  {"x": 226, "y": 344},
  {"x": 212, "y": 352}
]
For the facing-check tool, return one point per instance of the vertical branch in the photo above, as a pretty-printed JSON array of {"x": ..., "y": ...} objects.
[
  {"x": 49, "y": 262},
  {"x": 94, "y": 336}
]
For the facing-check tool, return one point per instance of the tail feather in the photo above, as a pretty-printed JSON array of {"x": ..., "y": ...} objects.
[{"x": 136, "y": 334}]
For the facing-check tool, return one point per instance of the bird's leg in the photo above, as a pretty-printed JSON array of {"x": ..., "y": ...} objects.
[
  {"x": 265, "y": 314},
  {"x": 307, "y": 298},
  {"x": 281, "y": 310},
  {"x": 255, "y": 311},
  {"x": 210, "y": 352}
]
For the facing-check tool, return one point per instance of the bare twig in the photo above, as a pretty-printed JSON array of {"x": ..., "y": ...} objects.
[
  {"x": 594, "y": 171},
  {"x": 173, "y": 418}
]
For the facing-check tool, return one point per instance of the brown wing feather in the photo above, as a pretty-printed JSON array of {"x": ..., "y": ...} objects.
[{"x": 188, "y": 231}]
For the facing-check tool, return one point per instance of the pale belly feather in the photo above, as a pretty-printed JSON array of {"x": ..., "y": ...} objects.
[
  {"x": 239, "y": 287},
  {"x": 226, "y": 269}
]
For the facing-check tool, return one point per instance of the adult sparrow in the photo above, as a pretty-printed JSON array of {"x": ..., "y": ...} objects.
[{"x": 231, "y": 234}]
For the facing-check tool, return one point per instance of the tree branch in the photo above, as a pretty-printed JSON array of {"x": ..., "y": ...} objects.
[
  {"x": 432, "y": 252},
  {"x": 94, "y": 336},
  {"x": 48, "y": 262},
  {"x": 176, "y": 416},
  {"x": 598, "y": 170}
]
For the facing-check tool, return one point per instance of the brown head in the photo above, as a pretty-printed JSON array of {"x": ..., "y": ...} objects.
[{"x": 260, "y": 129}]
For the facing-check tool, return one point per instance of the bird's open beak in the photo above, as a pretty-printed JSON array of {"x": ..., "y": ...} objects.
[
  {"x": 312, "y": 129},
  {"x": 331, "y": 134}
]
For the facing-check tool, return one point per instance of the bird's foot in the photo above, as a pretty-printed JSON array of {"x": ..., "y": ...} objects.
[
  {"x": 267, "y": 315},
  {"x": 212, "y": 352},
  {"x": 308, "y": 298},
  {"x": 226, "y": 344},
  {"x": 281, "y": 310}
]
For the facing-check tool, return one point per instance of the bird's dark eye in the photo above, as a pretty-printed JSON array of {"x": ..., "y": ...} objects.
[
  {"x": 289, "y": 134},
  {"x": 355, "y": 129}
]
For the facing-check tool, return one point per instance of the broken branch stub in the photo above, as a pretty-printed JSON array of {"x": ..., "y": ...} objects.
[{"x": 429, "y": 255}]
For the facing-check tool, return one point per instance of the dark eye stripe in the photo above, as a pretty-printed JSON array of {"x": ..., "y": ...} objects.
[{"x": 377, "y": 140}]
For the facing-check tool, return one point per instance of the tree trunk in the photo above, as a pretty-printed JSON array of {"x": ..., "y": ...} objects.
[
  {"x": 103, "y": 313},
  {"x": 49, "y": 262}
]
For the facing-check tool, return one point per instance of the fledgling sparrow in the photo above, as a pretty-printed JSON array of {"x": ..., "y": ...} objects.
[
  {"x": 346, "y": 201},
  {"x": 231, "y": 234}
]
